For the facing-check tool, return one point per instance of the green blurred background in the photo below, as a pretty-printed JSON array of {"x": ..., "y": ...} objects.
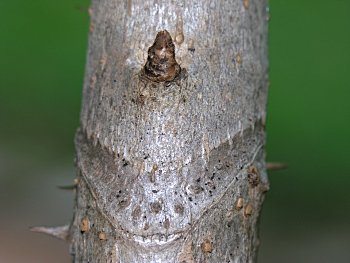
[{"x": 306, "y": 216}]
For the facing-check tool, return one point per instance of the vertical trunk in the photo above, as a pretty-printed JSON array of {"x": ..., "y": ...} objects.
[{"x": 171, "y": 160}]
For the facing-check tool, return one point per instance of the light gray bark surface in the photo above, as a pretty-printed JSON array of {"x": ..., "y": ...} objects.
[{"x": 172, "y": 171}]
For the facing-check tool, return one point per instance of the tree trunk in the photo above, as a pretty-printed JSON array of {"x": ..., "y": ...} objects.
[{"x": 170, "y": 151}]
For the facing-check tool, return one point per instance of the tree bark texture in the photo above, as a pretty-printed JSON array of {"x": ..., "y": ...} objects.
[{"x": 171, "y": 167}]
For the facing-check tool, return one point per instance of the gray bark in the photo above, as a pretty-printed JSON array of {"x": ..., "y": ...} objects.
[{"x": 173, "y": 169}]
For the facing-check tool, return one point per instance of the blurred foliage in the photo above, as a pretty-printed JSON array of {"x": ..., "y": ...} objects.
[
  {"x": 42, "y": 56},
  {"x": 309, "y": 114},
  {"x": 42, "y": 50},
  {"x": 306, "y": 216}
]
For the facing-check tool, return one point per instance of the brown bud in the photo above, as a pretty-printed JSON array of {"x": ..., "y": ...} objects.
[
  {"x": 239, "y": 203},
  {"x": 102, "y": 236},
  {"x": 248, "y": 210},
  {"x": 246, "y": 4},
  {"x": 84, "y": 225},
  {"x": 161, "y": 64},
  {"x": 207, "y": 246}
]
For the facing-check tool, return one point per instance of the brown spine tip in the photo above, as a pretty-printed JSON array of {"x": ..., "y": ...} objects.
[
  {"x": 161, "y": 64},
  {"x": 276, "y": 166}
]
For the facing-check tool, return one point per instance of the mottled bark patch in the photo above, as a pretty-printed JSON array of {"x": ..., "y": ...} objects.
[
  {"x": 136, "y": 213},
  {"x": 179, "y": 209},
  {"x": 156, "y": 207},
  {"x": 166, "y": 223}
]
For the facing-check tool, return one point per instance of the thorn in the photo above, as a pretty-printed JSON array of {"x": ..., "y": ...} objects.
[
  {"x": 60, "y": 232},
  {"x": 67, "y": 187},
  {"x": 90, "y": 11},
  {"x": 82, "y": 8},
  {"x": 276, "y": 166},
  {"x": 70, "y": 187}
]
